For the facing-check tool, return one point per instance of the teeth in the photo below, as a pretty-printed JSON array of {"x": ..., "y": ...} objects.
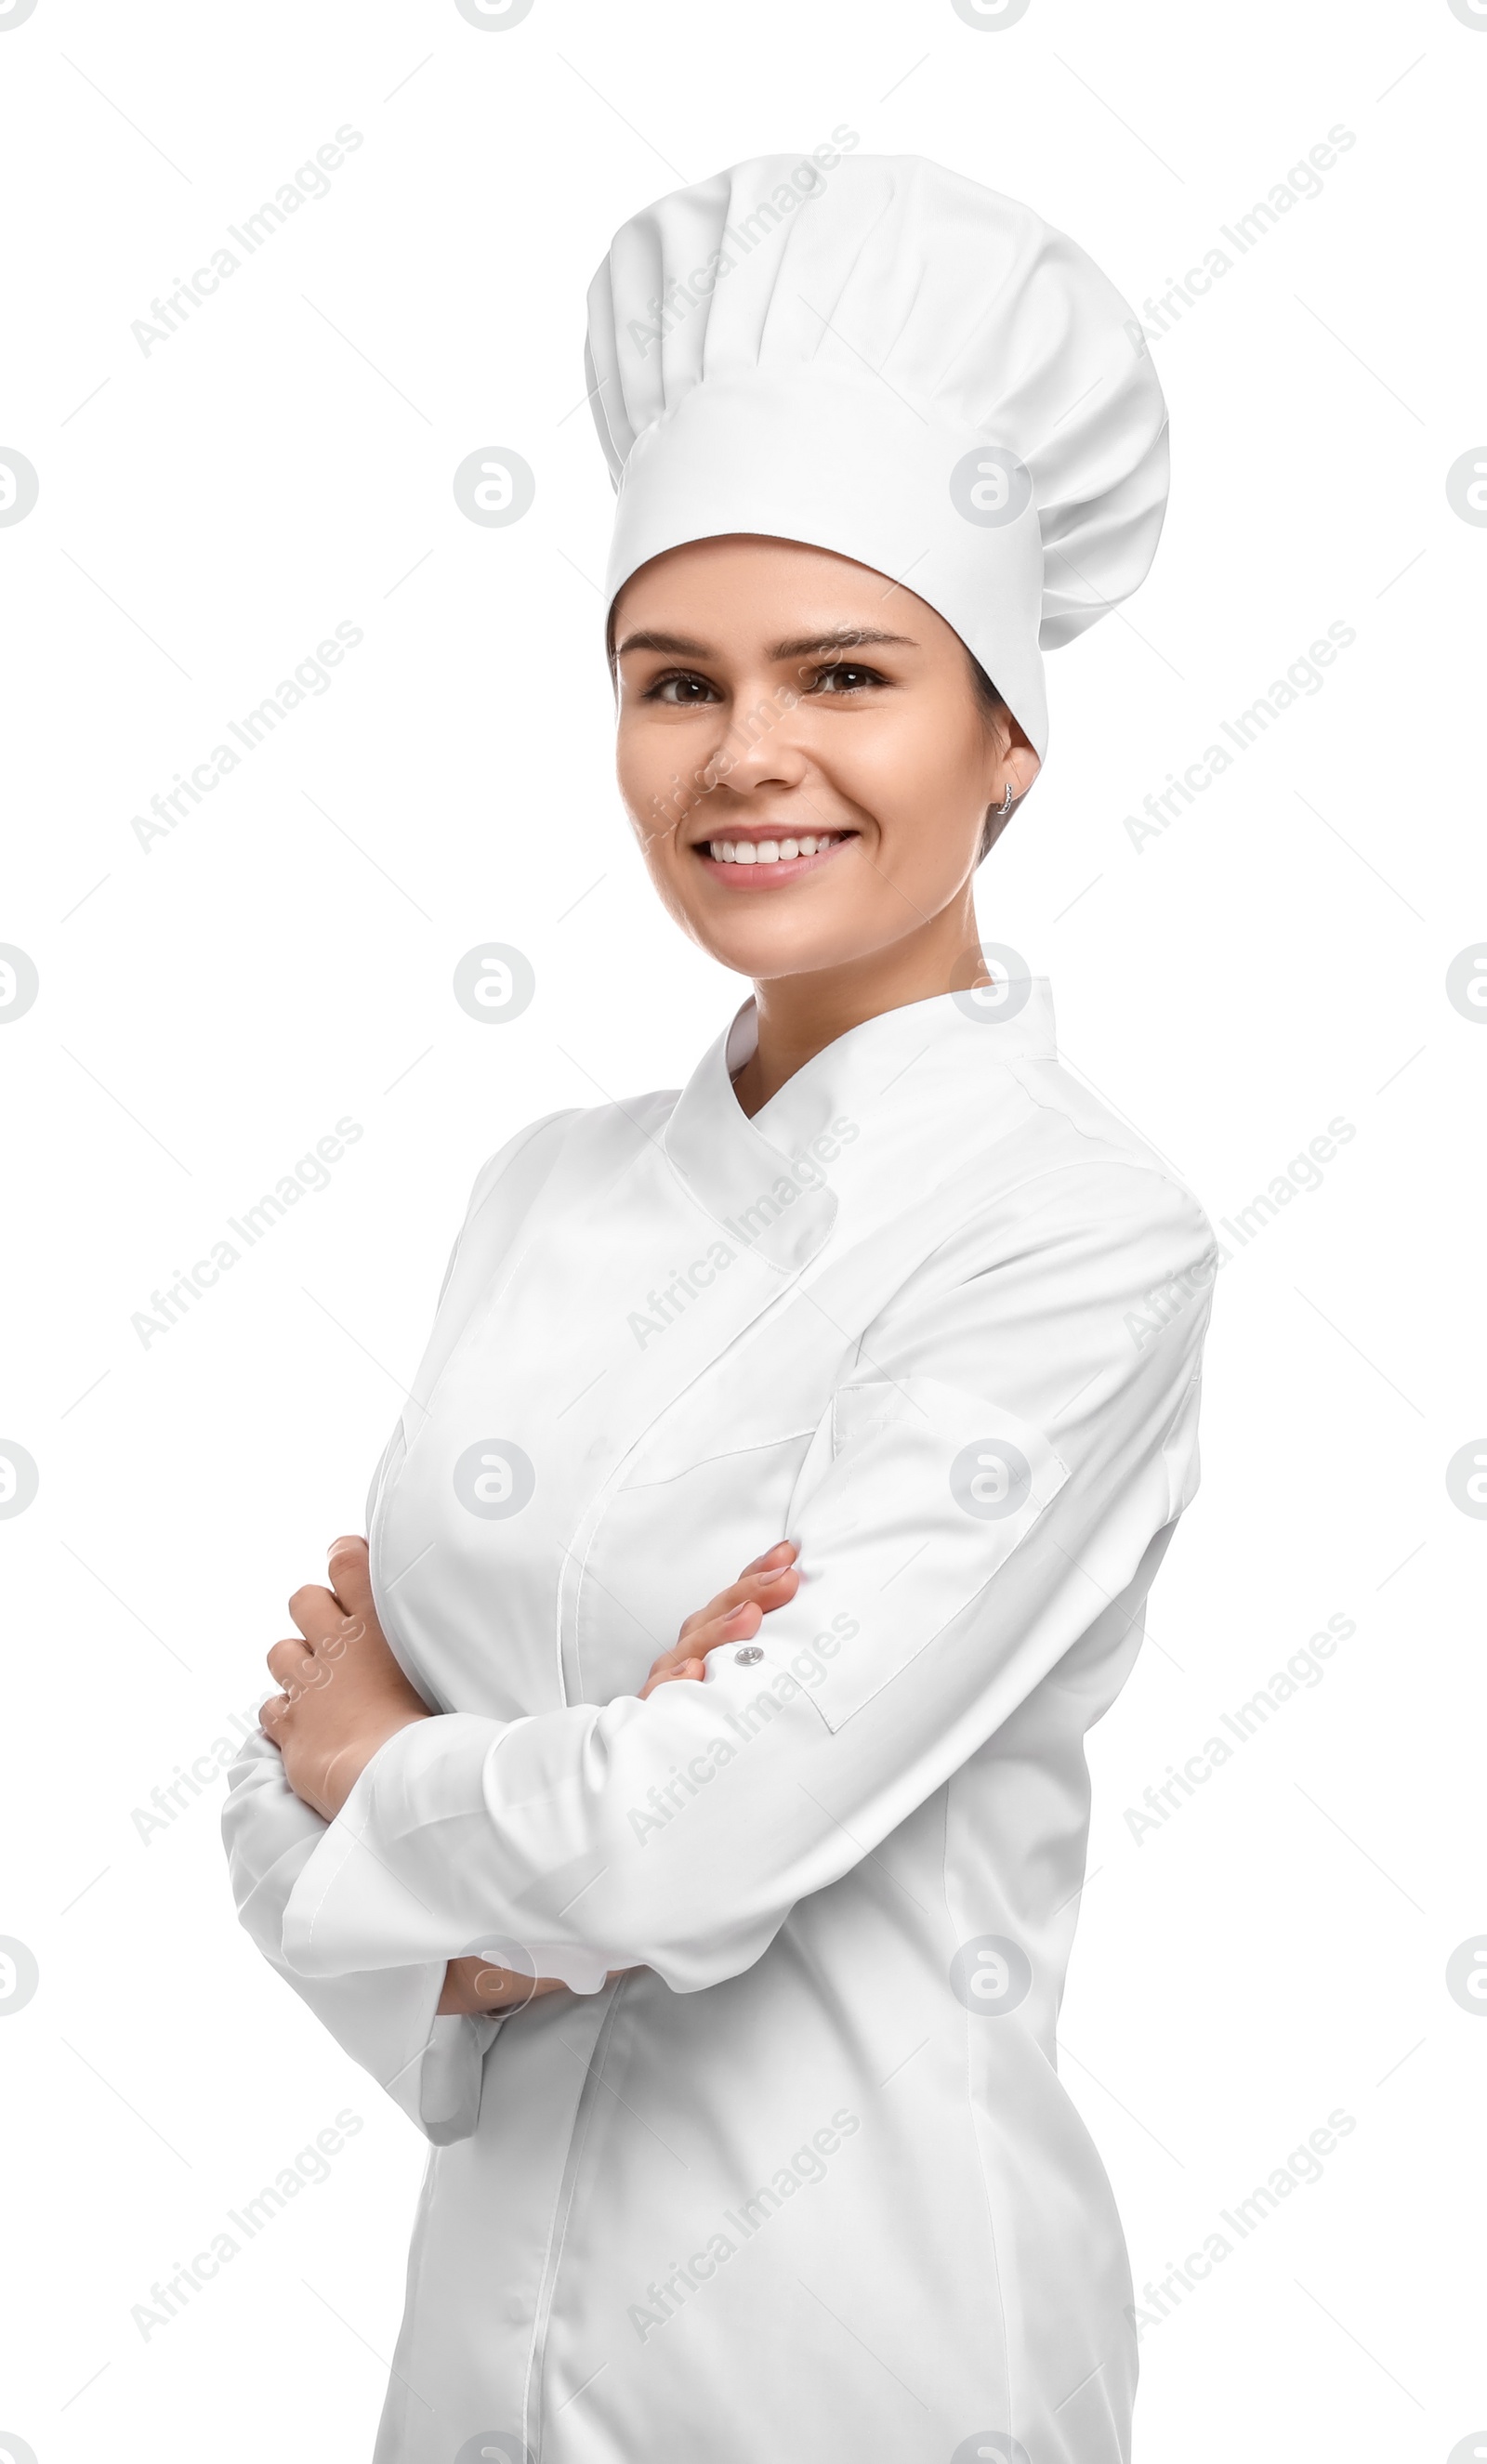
[{"x": 769, "y": 850}]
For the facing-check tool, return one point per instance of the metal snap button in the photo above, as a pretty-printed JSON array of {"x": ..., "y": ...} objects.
[{"x": 749, "y": 1653}]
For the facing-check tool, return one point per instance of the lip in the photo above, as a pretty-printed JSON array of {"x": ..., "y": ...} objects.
[{"x": 768, "y": 876}]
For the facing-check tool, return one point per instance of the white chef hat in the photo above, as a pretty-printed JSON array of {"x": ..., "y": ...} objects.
[{"x": 875, "y": 354}]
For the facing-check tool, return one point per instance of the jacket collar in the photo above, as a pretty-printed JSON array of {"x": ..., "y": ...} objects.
[{"x": 905, "y": 1080}]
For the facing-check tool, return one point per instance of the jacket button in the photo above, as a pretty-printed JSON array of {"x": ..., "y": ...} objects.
[{"x": 749, "y": 1653}]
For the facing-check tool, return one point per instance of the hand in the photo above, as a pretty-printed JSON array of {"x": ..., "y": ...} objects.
[
  {"x": 765, "y": 1583},
  {"x": 472, "y": 1985},
  {"x": 344, "y": 1694}
]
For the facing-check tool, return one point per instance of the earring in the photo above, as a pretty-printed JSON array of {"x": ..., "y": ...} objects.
[{"x": 1008, "y": 799}]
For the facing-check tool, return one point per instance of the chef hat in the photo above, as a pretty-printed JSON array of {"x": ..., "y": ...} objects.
[{"x": 877, "y": 356}]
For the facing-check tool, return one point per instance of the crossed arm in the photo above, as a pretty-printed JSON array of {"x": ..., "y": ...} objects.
[{"x": 344, "y": 1695}]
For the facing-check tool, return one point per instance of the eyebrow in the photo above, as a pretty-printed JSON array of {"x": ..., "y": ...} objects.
[{"x": 681, "y": 645}]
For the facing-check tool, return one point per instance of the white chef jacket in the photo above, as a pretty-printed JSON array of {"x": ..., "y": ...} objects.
[{"x": 804, "y": 2185}]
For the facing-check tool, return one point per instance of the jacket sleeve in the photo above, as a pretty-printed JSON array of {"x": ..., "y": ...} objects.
[
  {"x": 385, "y": 2018},
  {"x": 966, "y": 1511}
]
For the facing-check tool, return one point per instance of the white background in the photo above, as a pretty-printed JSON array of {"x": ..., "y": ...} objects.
[{"x": 208, "y": 512}]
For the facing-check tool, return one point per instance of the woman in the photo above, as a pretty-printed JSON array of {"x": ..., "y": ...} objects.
[{"x": 723, "y": 1974}]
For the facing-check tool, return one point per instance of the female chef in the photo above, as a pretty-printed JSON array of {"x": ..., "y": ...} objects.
[{"x": 712, "y": 1926}]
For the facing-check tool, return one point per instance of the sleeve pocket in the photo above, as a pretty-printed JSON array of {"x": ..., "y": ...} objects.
[{"x": 913, "y": 1495}]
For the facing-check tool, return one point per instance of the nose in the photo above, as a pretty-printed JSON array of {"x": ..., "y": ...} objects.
[{"x": 762, "y": 746}]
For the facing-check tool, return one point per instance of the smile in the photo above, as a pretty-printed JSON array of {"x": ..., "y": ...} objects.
[{"x": 760, "y": 862}]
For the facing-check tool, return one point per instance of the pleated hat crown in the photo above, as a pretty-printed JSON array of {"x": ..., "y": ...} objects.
[{"x": 875, "y": 354}]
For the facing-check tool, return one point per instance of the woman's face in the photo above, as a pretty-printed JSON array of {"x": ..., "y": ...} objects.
[{"x": 801, "y": 753}]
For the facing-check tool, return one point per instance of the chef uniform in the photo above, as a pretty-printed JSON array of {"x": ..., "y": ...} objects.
[{"x": 802, "y": 2183}]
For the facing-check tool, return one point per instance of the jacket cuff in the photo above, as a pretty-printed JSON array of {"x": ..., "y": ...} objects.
[{"x": 387, "y": 1884}]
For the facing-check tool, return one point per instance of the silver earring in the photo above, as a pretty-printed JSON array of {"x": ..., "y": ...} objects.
[{"x": 1008, "y": 799}]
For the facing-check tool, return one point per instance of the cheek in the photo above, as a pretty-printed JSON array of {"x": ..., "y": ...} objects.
[
  {"x": 919, "y": 776},
  {"x": 648, "y": 763}
]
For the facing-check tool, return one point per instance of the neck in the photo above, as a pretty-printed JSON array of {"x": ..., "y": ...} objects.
[{"x": 798, "y": 1016}]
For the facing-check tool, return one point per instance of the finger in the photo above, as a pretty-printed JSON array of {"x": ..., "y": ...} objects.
[
  {"x": 270, "y": 1716},
  {"x": 784, "y": 1552},
  {"x": 690, "y": 1640},
  {"x": 668, "y": 1675},
  {"x": 773, "y": 1561},
  {"x": 288, "y": 1661},
  {"x": 350, "y": 1574},
  {"x": 739, "y": 1625},
  {"x": 316, "y": 1611},
  {"x": 768, "y": 1582},
  {"x": 706, "y": 1634}
]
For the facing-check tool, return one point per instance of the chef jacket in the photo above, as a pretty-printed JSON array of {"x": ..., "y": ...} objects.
[{"x": 802, "y": 2183}]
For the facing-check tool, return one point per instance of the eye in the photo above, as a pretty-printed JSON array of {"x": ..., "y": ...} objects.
[
  {"x": 844, "y": 676},
  {"x": 689, "y": 689}
]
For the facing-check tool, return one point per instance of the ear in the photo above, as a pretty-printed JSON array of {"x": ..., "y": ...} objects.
[
  {"x": 1020, "y": 764},
  {"x": 1017, "y": 769}
]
